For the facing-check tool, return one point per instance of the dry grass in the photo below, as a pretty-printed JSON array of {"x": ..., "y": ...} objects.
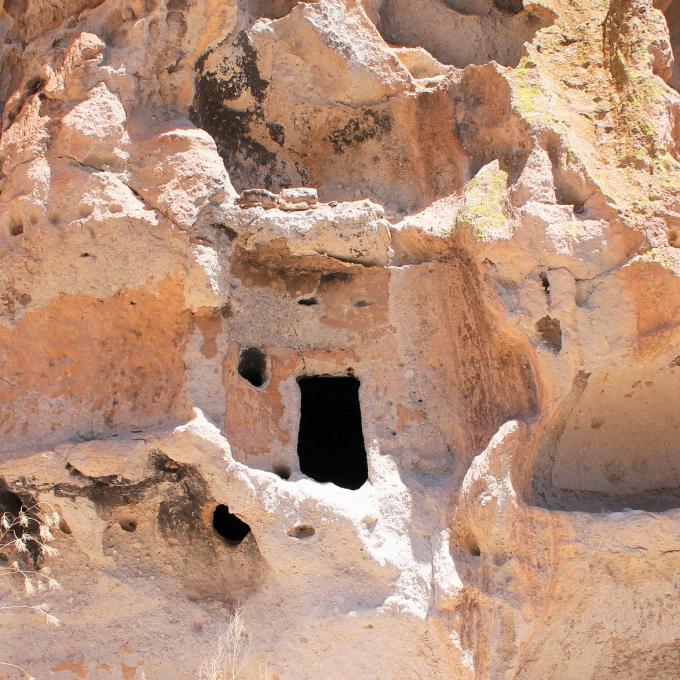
[
  {"x": 231, "y": 659},
  {"x": 233, "y": 649},
  {"x": 24, "y": 542}
]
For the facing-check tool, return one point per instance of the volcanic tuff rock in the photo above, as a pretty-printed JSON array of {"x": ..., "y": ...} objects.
[{"x": 468, "y": 211}]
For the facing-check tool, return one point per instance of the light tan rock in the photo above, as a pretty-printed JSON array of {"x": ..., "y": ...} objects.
[{"x": 470, "y": 206}]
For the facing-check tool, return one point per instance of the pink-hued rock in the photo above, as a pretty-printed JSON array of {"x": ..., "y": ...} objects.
[{"x": 468, "y": 211}]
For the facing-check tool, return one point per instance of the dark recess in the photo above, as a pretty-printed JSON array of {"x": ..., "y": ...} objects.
[
  {"x": 330, "y": 440},
  {"x": 13, "y": 505},
  {"x": 282, "y": 471},
  {"x": 9, "y": 501},
  {"x": 128, "y": 524},
  {"x": 232, "y": 529},
  {"x": 252, "y": 366},
  {"x": 509, "y": 6}
]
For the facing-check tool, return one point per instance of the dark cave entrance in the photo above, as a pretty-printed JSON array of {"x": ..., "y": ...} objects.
[
  {"x": 232, "y": 529},
  {"x": 330, "y": 440}
]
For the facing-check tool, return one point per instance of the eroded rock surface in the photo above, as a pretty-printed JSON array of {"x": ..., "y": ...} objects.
[{"x": 362, "y": 315}]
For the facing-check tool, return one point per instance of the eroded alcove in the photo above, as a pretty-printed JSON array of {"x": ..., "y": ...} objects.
[
  {"x": 616, "y": 444},
  {"x": 461, "y": 32},
  {"x": 330, "y": 439},
  {"x": 438, "y": 374},
  {"x": 280, "y": 121},
  {"x": 270, "y": 9}
]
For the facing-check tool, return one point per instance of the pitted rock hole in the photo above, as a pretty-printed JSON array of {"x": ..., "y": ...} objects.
[
  {"x": 128, "y": 524},
  {"x": 252, "y": 366},
  {"x": 230, "y": 527},
  {"x": 302, "y": 531},
  {"x": 331, "y": 441},
  {"x": 282, "y": 471},
  {"x": 472, "y": 546}
]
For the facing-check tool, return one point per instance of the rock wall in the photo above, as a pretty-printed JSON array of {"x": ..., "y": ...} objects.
[{"x": 467, "y": 209}]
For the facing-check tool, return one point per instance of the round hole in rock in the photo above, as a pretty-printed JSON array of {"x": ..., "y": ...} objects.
[
  {"x": 16, "y": 229},
  {"x": 302, "y": 531},
  {"x": 282, "y": 471},
  {"x": 252, "y": 366},
  {"x": 128, "y": 524},
  {"x": 467, "y": 542},
  {"x": 473, "y": 548},
  {"x": 230, "y": 527}
]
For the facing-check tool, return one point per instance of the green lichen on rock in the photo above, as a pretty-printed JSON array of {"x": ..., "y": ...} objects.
[
  {"x": 528, "y": 96},
  {"x": 630, "y": 29},
  {"x": 485, "y": 207},
  {"x": 655, "y": 256}
]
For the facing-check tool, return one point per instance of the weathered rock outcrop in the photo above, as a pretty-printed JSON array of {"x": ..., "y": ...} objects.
[{"x": 361, "y": 315}]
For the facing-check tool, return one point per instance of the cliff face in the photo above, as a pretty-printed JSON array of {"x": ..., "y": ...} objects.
[{"x": 424, "y": 249}]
